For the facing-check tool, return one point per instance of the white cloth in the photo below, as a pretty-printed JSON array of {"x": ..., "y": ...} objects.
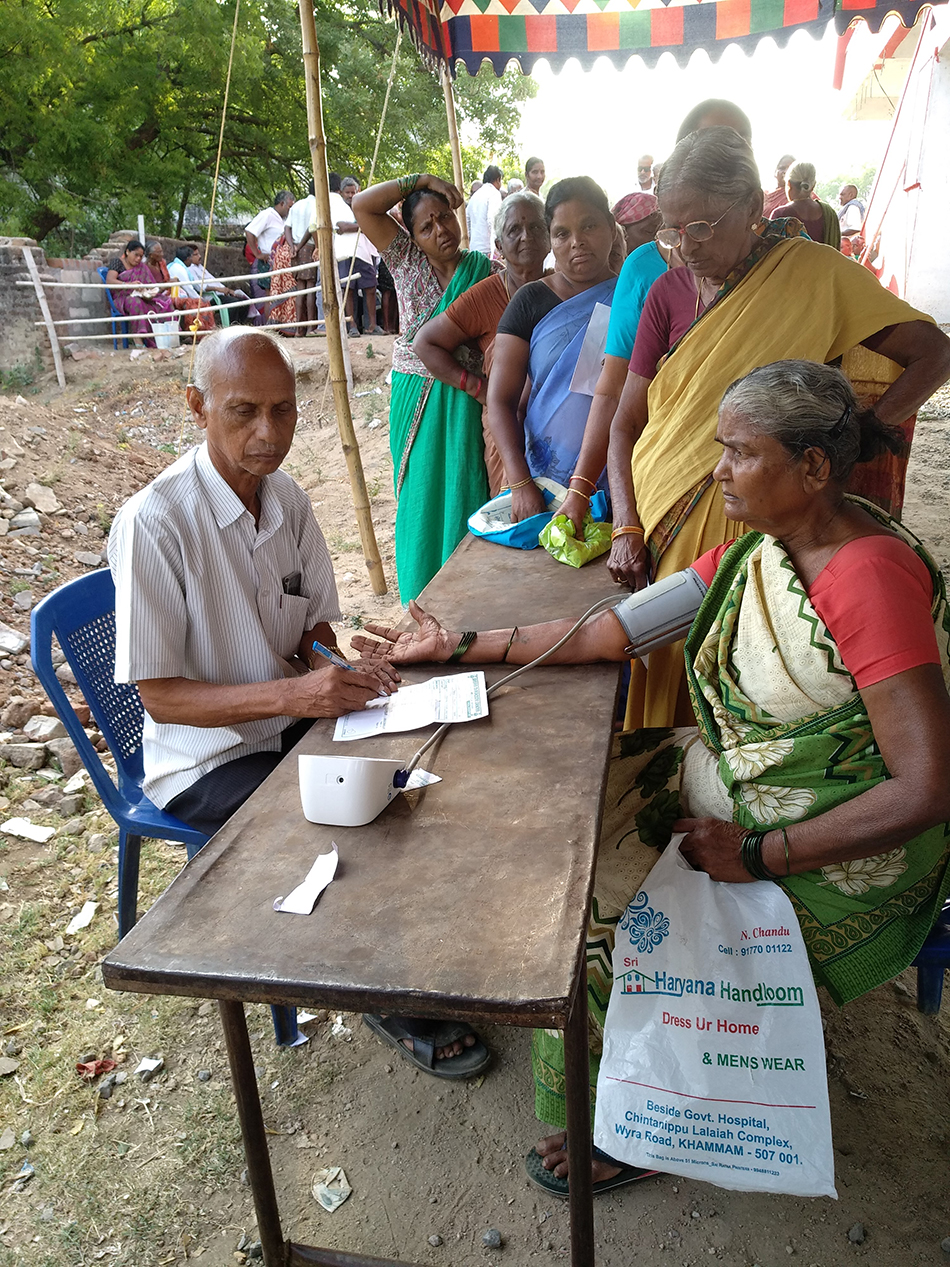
[
  {"x": 851, "y": 216},
  {"x": 200, "y": 595},
  {"x": 182, "y": 274},
  {"x": 207, "y": 280},
  {"x": 302, "y": 215},
  {"x": 267, "y": 227},
  {"x": 480, "y": 213}
]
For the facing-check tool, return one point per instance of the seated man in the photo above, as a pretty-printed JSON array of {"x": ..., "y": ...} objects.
[
  {"x": 196, "y": 282},
  {"x": 223, "y": 582}
]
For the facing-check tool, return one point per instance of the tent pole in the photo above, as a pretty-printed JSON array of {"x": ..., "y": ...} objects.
[
  {"x": 331, "y": 302},
  {"x": 456, "y": 149}
]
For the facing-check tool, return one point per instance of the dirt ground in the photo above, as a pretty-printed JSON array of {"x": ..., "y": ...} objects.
[{"x": 152, "y": 1175}]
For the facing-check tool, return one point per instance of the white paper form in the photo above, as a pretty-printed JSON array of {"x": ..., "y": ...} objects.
[
  {"x": 460, "y": 697},
  {"x": 590, "y": 360}
]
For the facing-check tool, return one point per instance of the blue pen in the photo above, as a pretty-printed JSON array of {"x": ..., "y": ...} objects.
[{"x": 332, "y": 657}]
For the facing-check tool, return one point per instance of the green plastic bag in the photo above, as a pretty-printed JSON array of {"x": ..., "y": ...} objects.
[{"x": 559, "y": 540}]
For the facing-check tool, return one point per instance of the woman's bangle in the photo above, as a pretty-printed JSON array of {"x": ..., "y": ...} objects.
[
  {"x": 577, "y": 493},
  {"x": 407, "y": 184},
  {"x": 504, "y": 658},
  {"x": 463, "y": 382},
  {"x": 465, "y": 642},
  {"x": 471, "y": 378},
  {"x": 521, "y": 484},
  {"x": 626, "y": 531},
  {"x": 751, "y": 856},
  {"x": 584, "y": 480}
]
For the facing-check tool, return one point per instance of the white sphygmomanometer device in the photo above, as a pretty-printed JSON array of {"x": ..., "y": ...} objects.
[{"x": 352, "y": 791}]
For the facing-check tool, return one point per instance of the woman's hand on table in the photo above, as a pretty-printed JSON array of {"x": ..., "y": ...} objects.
[
  {"x": 715, "y": 847},
  {"x": 527, "y": 501},
  {"x": 629, "y": 561},
  {"x": 428, "y": 643}
]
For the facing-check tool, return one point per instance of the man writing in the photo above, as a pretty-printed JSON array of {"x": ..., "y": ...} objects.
[{"x": 223, "y": 582}]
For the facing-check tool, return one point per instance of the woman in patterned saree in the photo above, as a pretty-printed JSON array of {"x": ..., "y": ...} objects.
[
  {"x": 435, "y": 430},
  {"x": 816, "y": 665}
]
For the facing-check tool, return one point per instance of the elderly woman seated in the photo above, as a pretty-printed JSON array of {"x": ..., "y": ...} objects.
[{"x": 816, "y": 665}]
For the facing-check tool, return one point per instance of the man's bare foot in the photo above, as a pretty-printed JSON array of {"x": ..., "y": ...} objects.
[{"x": 553, "y": 1153}]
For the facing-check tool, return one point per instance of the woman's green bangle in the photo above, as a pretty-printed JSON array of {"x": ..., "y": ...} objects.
[
  {"x": 751, "y": 856},
  {"x": 407, "y": 184},
  {"x": 465, "y": 642}
]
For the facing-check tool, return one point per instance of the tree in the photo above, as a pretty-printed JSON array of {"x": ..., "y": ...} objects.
[{"x": 109, "y": 108}]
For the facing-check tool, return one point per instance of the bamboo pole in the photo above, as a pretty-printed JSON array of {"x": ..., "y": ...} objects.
[
  {"x": 47, "y": 315},
  {"x": 456, "y": 149},
  {"x": 331, "y": 303}
]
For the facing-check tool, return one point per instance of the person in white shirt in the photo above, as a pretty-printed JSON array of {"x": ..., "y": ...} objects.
[
  {"x": 261, "y": 234},
  {"x": 851, "y": 215},
  {"x": 299, "y": 229},
  {"x": 223, "y": 582},
  {"x": 482, "y": 209},
  {"x": 195, "y": 281},
  {"x": 363, "y": 272}
]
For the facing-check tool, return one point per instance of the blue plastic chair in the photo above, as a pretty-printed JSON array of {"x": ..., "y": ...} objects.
[
  {"x": 82, "y": 616},
  {"x": 123, "y": 328},
  {"x": 934, "y": 957}
]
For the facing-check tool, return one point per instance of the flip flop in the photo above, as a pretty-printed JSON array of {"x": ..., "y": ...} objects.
[
  {"x": 554, "y": 1186},
  {"x": 426, "y": 1035}
]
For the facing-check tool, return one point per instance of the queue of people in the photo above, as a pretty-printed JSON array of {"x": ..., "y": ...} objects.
[{"x": 731, "y": 447}]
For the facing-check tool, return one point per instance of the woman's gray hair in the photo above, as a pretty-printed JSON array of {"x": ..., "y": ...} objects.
[
  {"x": 803, "y": 175},
  {"x": 214, "y": 347},
  {"x": 519, "y": 199},
  {"x": 717, "y": 162},
  {"x": 804, "y": 406}
]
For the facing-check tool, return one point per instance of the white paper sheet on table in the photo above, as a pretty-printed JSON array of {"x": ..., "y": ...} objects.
[{"x": 459, "y": 697}]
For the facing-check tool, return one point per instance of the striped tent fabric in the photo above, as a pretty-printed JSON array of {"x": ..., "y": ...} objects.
[{"x": 471, "y": 31}]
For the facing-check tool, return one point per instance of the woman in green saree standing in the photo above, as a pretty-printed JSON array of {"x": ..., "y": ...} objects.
[{"x": 435, "y": 431}]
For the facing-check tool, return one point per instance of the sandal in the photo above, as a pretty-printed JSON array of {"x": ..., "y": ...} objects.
[
  {"x": 554, "y": 1186},
  {"x": 426, "y": 1035}
]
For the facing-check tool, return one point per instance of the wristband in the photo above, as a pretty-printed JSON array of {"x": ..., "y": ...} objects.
[{"x": 465, "y": 642}]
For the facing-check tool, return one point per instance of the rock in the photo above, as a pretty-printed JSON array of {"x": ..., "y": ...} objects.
[
  {"x": 11, "y": 448},
  {"x": 105, "y": 1090},
  {"x": 857, "y": 1234},
  {"x": 945, "y": 1244},
  {"x": 121, "y": 1077},
  {"x": 12, "y": 643},
  {"x": 204, "y": 1075},
  {"x": 87, "y": 558},
  {"x": 492, "y": 1238},
  {"x": 41, "y": 498},
  {"x": 87, "y": 1058},
  {"x": 47, "y": 796},
  {"x": 17, "y": 712},
  {"x": 26, "y": 518},
  {"x": 74, "y": 827},
  {"x": 23, "y": 600},
  {"x": 65, "y": 674},
  {"x": 42, "y": 729},
  {"x": 7, "y": 1140},
  {"x": 435, "y": 1241},
  {"x": 255, "y": 1250},
  {"x": 26, "y": 1139},
  {"x": 97, "y": 842},
  {"x": 64, "y": 751},
  {"x": 82, "y": 713},
  {"x": 25, "y": 756},
  {"x": 71, "y": 805}
]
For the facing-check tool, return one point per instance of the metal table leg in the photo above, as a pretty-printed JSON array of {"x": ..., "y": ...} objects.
[
  {"x": 577, "y": 1095},
  {"x": 259, "y": 1172}
]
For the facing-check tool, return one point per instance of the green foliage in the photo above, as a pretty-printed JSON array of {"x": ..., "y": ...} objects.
[
  {"x": 110, "y": 108},
  {"x": 862, "y": 177}
]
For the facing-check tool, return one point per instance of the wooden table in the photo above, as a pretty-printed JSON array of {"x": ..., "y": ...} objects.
[{"x": 478, "y": 887}]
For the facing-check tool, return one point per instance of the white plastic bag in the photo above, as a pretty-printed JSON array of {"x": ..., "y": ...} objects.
[{"x": 714, "y": 1060}]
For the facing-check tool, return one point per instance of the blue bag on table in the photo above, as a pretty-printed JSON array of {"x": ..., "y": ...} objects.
[{"x": 492, "y": 521}]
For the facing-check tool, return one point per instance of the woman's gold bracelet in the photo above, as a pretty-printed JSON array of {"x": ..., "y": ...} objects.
[
  {"x": 584, "y": 480},
  {"x": 521, "y": 484},
  {"x": 577, "y": 493},
  {"x": 626, "y": 530}
]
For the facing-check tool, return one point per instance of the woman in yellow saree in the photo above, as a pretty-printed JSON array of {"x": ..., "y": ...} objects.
[{"x": 754, "y": 299}]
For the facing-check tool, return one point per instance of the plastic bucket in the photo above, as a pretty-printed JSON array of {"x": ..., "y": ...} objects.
[{"x": 165, "y": 331}]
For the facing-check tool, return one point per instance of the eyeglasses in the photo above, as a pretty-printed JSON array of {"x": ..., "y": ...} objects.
[{"x": 699, "y": 230}]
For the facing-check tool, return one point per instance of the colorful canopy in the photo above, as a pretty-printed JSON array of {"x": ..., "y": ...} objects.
[{"x": 447, "y": 31}]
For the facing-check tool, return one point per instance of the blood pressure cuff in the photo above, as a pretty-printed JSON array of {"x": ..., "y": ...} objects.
[{"x": 662, "y": 613}]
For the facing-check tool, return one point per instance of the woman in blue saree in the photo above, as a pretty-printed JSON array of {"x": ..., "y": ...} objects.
[{"x": 539, "y": 342}]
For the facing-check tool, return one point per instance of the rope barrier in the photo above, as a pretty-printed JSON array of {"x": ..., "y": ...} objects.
[
  {"x": 186, "y": 334},
  {"x": 235, "y": 303},
  {"x": 244, "y": 277}
]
